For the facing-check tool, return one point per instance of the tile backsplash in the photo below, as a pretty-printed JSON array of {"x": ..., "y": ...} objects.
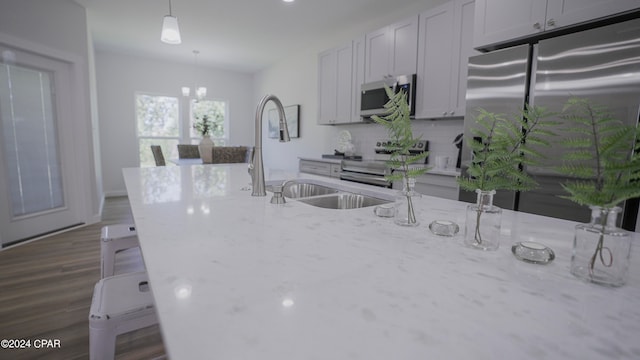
[{"x": 439, "y": 133}]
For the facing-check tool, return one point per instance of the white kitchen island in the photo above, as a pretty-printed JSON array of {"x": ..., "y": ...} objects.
[{"x": 235, "y": 277}]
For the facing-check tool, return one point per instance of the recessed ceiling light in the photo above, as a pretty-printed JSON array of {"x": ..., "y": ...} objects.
[{"x": 288, "y": 0}]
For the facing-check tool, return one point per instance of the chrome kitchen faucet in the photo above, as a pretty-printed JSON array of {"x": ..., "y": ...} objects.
[{"x": 256, "y": 168}]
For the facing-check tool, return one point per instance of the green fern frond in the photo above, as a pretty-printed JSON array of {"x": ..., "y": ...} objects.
[
  {"x": 611, "y": 147},
  {"x": 572, "y": 142},
  {"x": 397, "y": 121},
  {"x": 578, "y": 155},
  {"x": 506, "y": 145}
]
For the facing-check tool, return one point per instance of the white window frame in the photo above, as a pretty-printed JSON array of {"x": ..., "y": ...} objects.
[{"x": 185, "y": 121}]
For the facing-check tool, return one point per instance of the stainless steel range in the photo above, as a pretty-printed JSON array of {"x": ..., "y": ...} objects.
[{"x": 373, "y": 170}]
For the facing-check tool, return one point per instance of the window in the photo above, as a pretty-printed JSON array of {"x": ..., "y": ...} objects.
[
  {"x": 159, "y": 121},
  {"x": 216, "y": 110}
]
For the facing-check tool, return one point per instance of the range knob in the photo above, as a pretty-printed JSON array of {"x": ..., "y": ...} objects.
[{"x": 378, "y": 144}]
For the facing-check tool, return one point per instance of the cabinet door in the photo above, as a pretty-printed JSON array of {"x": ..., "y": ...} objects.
[
  {"x": 315, "y": 167},
  {"x": 377, "y": 55},
  {"x": 435, "y": 62},
  {"x": 446, "y": 34},
  {"x": 497, "y": 21},
  {"x": 327, "y": 80},
  {"x": 343, "y": 89},
  {"x": 357, "y": 77},
  {"x": 403, "y": 47},
  {"x": 464, "y": 11},
  {"x": 568, "y": 12}
]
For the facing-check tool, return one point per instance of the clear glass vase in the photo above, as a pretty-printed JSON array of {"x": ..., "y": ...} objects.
[
  {"x": 405, "y": 214},
  {"x": 601, "y": 250},
  {"x": 482, "y": 229}
]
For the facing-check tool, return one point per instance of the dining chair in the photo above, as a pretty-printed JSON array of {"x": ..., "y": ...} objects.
[
  {"x": 229, "y": 154},
  {"x": 187, "y": 151},
  {"x": 157, "y": 155}
]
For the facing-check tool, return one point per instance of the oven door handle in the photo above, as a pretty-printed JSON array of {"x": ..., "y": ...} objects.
[
  {"x": 366, "y": 179},
  {"x": 360, "y": 171}
]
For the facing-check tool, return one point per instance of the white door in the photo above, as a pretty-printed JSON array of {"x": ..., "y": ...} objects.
[{"x": 37, "y": 171}]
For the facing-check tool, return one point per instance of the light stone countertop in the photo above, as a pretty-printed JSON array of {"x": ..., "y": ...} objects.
[{"x": 235, "y": 277}]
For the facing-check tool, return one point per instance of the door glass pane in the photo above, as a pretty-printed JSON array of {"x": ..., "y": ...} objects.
[{"x": 29, "y": 142}]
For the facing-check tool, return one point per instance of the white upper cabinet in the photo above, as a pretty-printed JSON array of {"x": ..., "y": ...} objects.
[
  {"x": 562, "y": 13},
  {"x": 344, "y": 85},
  {"x": 340, "y": 73},
  {"x": 392, "y": 50},
  {"x": 327, "y": 82},
  {"x": 357, "y": 77},
  {"x": 444, "y": 47},
  {"x": 499, "y": 21}
]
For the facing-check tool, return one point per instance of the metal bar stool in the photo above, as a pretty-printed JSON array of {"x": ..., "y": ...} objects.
[
  {"x": 120, "y": 304},
  {"x": 115, "y": 238}
]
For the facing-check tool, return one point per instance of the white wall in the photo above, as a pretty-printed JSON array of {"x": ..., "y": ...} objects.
[
  {"x": 120, "y": 76},
  {"x": 294, "y": 81},
  {"x": 59, "y": 28}
]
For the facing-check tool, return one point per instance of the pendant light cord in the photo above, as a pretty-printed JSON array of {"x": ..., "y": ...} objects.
[{"x": 170, "y": 13}]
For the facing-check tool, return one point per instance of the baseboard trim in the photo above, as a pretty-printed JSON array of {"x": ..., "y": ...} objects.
[
  {"x": 115, "y": 193},
  {"x": 28, "y": 240}
]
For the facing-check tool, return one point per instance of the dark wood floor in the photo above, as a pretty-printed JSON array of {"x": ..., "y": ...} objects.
[{"x": 46, "y": 288}]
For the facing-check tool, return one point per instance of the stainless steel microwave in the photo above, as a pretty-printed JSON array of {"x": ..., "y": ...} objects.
[{"x": 373, "y": 96}]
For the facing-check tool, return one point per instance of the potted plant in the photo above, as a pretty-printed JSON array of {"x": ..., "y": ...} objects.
[
  {"x": 604, "y": 160},
  {"x": 204, "y": 127},
  {"x": 501, "y": 148},
  {"x": 398, "y": 123}
]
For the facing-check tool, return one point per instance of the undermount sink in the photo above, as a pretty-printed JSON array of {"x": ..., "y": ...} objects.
[
  {"x": 294, "y": 190},
  {"x": 324, "y": 196},
  {"x": 299, "y": 189},
  {"x": 344, "y": 201}
]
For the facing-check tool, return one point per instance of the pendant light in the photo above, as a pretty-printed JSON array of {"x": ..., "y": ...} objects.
[
  {"x": 200, "y": 92},
  {"x": 170, "y": 30}
]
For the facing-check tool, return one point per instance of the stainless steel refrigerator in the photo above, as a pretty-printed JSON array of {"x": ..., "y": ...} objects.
[{"x": 602, "y": 64}]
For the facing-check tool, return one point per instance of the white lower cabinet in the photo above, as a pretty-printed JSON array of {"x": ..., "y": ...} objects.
[
  {"x": 319, "y": 167},
  {"x": 442, "y": 186}
]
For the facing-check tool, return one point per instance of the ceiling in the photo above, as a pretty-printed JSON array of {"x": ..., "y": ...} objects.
[{"x": 241, "y": 35}]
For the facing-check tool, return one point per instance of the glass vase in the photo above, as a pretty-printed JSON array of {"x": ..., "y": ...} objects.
[
  {"x": 405, "y": 214},
  {"x": 482, "y": 229},
  {"x": 601, "y": 250}
]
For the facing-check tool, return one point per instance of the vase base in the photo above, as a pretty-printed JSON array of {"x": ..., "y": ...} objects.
[
  {"x": 406, "y": 223},
  {"x": 444, "y": 228},
  {"x": 596, "y": 277},
  {"x": 484, "y": 246},
  {"x": 533, "y": 252}
]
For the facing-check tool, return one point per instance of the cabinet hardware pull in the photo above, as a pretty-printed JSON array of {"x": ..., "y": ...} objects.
[{"x": 537, "y": 26}]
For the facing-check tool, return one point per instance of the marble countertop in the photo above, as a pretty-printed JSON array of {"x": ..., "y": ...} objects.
[{"x": 235, "y": 277}]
